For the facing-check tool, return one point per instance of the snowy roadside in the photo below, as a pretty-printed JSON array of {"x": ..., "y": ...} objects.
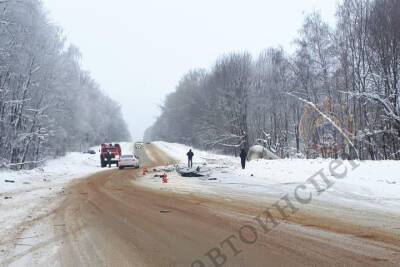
[
  {"x": 34, "y": 194},
  {"x": 27, "y": 202},
  {"x": 372, "y": 188}
]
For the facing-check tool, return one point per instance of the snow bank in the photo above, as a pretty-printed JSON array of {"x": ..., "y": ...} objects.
[
  {"x": 58, "y": 171},
  {"x": 35, "y": 194},
  {"x": 372, "y": 185},
  {"x": 260, "y": 152}
]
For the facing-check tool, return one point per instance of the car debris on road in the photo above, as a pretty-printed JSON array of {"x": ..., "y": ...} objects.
[{"x": 194, "y": 172}]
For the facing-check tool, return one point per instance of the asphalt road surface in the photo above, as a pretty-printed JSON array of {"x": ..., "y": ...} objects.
[{"x": 109, "y": 219}]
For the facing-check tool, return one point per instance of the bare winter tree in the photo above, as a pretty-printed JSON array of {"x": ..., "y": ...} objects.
[
  {"x": 47, "y": 103},
  {"x": 353, "y": 69}
]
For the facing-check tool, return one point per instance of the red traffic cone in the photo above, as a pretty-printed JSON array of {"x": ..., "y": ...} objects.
[
  {"x": 145, "y": 171},
  {"x": 165, "y": 178}
]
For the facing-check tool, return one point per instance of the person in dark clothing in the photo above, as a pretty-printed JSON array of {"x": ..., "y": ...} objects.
[
  {"x": 109, "y": 157},
  {"x": 190, "y": 155},
  {"x": 243, "y": 156}
]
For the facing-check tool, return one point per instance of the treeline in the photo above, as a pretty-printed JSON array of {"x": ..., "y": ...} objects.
[
  {"x": 48, "y": 104},
  {"x": 349, "y": 73}
]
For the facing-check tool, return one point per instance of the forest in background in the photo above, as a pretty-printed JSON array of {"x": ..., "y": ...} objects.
[
  {"x": 48, "y": 104},
  {"x": 352, "y": 67}
]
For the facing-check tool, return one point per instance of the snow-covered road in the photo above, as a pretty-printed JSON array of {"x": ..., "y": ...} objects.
[{"x": 56, "y": 216}]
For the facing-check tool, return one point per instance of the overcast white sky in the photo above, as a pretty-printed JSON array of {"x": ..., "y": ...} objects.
[{"x": 138, "y": 50}]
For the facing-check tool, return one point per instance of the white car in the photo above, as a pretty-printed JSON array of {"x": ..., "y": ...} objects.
[{"x": 128, "y": 161}]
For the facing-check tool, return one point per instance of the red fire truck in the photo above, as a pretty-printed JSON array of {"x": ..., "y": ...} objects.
[{"x": 109, "y": 154}]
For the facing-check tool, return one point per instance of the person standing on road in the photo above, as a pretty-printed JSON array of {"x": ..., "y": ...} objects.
[
  {"x": 109, "y": 157},
  {"x": 190, "y": 155},
  {"x": 243, "y": 156}
]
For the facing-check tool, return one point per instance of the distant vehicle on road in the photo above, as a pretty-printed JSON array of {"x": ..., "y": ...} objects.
[
  {"x": 90, "y": 151},
  {"x": 128, "y": 161},
  {"x": 139, "y": 145},
  {"x": 109, "y": 154}
]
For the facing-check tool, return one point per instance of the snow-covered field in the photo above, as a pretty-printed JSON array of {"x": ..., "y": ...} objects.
[
  {"x": 372, "y": 185},
  {"x": 55, "y": 172}
]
